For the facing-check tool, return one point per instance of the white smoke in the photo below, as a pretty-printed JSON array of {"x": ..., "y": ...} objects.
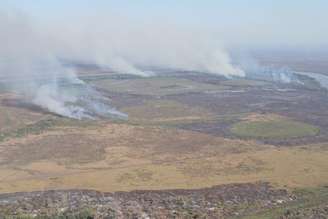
[
  {"x": 30, "y": 58},
  {"x": 127, "y": 47},
  {"x": 29, "y": 65},
  {"x": 254, "y": 70}
]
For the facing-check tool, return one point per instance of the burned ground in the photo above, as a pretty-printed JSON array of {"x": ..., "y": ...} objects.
[
  {"x": 299, "y": 104},
  {"x": 225, "y": 201},
  {"x": 258, "y": 200}
]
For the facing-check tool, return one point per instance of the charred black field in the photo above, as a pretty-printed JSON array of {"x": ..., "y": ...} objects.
[{"x": 194, "y": 145}]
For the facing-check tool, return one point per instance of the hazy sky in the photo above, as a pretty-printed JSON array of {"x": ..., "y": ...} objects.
[{"x": 250, "y": 22}]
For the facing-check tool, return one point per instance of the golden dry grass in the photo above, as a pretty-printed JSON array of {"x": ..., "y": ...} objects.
[
  {"x": 166, "y": 112},
  {"x": 136, "y": 157}
]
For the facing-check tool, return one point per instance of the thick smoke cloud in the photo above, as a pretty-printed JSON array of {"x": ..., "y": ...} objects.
[
  {"x": 30, "y": 58},
  {"x": 29, "y": 65}
]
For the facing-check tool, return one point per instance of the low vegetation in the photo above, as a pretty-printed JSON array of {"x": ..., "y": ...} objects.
[
  {"x": 280, "y": 128},
  {"x": 35, "y": 128},
  {"x": 177, "y": 128},
  {"x": 156, "y": 86},
  {"x": 43, "y": 126}
]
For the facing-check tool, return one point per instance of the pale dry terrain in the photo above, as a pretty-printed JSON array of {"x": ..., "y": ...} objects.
[
  {"x": 111, "y": 157},
  {"x": 163, "y": 144}
]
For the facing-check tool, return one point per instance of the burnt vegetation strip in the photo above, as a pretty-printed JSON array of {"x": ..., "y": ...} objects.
[
  {"x": 253, "y": 201},
  {"x": 295, "y": 102},
  {"x": 223, "y": 201},
  {"x": 308, "y": 203}
]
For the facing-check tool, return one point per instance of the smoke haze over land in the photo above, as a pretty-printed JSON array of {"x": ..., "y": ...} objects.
[
  {"x": 29, "y": 65},
  {"x": 33, "y": 46},
  {"x": 31, "y": 53}
]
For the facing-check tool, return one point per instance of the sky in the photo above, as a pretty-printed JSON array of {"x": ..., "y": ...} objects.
[{"x": 239, "y": 22}]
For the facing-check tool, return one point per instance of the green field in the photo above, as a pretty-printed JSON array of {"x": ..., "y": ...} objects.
[{"x": 273, "y": 129}]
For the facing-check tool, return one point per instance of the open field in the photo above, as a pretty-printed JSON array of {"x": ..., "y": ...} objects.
[
  {"x": 116, "y": 157},
  {"x": 272, "y": 127},
  {"x": 166, "y": 112},
  {"x": 15, "y": 117},
  {"x": 155, "y": 86},
  {"x": 182, "y": 133},
  {"x": 160, "y": 146}
]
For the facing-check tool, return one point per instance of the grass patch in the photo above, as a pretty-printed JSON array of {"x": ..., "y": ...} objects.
[
  {"x": 273, "y": 129},
  {"x": 35, "y": 128},
  {"x": 44, "y": 125},
  {"x": 165, "y": 112}
]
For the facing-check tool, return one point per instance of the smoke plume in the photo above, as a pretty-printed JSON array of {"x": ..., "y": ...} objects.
[
  {"x": 29, "y": 65},
  {"x": 30, "y": 58}
]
